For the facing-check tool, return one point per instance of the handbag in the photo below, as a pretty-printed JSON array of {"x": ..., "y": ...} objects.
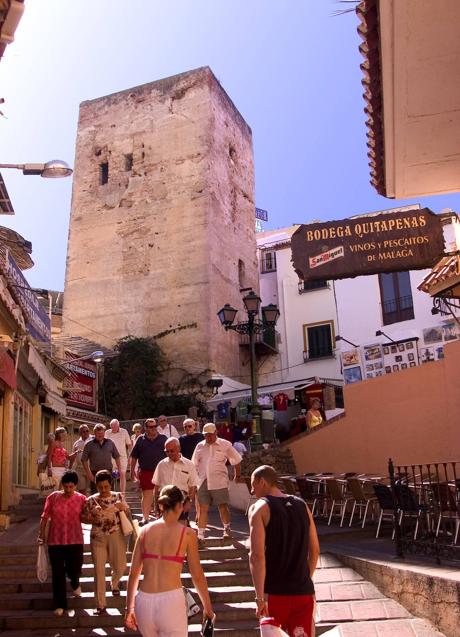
[
  {"x": 192, "y": 606},
  {"x": 125, "y": 523},
  {"x": 42, "y": 564}
]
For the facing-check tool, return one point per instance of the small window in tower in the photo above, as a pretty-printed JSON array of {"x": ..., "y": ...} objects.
[
  {"x": 129, "y": 162},
  {"x": 241, "y": 273},
  {"x": 104, "y": 173},
  {"x": 232, "y": 152}
]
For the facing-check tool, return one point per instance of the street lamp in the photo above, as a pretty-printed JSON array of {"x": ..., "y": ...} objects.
[
  {"x": 50, "y": 170},
  {"x": 270, "y": 314},
  {"x": 97, "y": 357}
]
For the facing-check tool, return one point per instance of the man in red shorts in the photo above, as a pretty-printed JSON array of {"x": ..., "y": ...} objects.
[
  {"x": 284, "y": 551},
  {"x": 147, "y": 452}
]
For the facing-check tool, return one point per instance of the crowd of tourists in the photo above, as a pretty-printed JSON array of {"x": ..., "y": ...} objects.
[{"x": 176, "y": 475}]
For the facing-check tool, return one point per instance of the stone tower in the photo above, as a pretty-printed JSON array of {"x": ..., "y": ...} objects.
[{"x": 162, "y": 229}]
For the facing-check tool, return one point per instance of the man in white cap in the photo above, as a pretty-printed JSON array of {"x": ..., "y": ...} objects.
[
  {"x": 210, "y": 459},
  {"x": 122, "y": 441}
]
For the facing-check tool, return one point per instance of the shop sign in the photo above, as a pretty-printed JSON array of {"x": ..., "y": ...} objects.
[
  {"x": 385, "y": 242},
  {"x": 38, "y": 322},
  {"x": 81, "y": 384}
]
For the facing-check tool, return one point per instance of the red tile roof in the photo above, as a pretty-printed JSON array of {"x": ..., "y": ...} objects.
[
  {"x": 368, "y": 29},
  {"x": 446, "y": 270}
]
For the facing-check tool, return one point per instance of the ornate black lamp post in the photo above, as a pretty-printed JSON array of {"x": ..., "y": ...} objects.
[{"x": 270, "y": 314}]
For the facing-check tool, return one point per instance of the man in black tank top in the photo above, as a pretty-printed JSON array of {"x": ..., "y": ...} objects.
[{"x": 284, "y": 550}]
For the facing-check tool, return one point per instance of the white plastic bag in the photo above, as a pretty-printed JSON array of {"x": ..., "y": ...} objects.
[
  {"x": 42, "y": 564},
  {"x": 269, "y": 628}
]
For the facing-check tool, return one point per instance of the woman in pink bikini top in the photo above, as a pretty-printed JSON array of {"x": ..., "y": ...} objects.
[{"x": 159, "y": 605}]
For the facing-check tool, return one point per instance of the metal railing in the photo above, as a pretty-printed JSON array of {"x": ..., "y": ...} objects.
[
  {"x": 399, "y": 309},
  {"x": 426, "y": 506},
  {"x": 268, "y": 336}
]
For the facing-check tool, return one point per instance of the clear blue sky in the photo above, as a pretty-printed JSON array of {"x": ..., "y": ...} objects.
[{"x": 291, "y": 68}]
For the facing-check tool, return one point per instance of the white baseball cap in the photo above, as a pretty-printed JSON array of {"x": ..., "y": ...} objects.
[{"x": 209, "y": 428}]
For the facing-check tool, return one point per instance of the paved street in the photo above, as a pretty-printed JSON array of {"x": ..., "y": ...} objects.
[{"x": 347, "y": 604}]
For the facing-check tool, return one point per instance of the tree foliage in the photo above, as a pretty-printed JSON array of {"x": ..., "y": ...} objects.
[{"x": 131, "y": 378}]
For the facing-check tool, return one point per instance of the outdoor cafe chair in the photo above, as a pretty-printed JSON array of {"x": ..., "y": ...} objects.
[
  {"x": 409, "y": 506},
  {"x": 289, "y": 486},
  {"x": 386, "y": 505},
  {"x": 309, "y": 493},
  {"x": 362, "y": 499},
  {"x": 446, "y": 507},
  {"x": 338, "y": 499}
]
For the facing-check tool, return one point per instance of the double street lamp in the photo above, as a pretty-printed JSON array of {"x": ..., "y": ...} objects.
[{"x": 252, "y": 326}]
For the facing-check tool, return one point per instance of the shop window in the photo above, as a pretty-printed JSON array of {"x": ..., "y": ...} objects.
[
  {"x": 22, "y": 449},
  {"x": 104, "y": 173},
  {"x": 318, "y": 340},
  {"x": 396, "y": 297},
  {"x": 268, "y": 261}
]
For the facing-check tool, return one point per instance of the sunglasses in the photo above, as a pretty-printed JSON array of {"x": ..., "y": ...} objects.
[
  {"x": 151, "y": 426},
  {"x": 188, "y": 427}
]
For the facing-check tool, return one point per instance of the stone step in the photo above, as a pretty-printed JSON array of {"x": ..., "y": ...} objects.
[
  {"x": 330, "y": 575},
  {"x": 387, "y": 628},
  {"x": 30, "y": 619},
  {"x": 23, "y": 566},
  {"x": 324, "y": 593},
  {"x": 360, "y": 611},
  {"x": 225, "y": 629}
]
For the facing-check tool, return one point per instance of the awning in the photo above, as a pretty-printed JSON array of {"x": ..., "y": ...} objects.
[
  {"x": 288, "y": 388},
  {"x": 36, "y": 361},
  {"x": 55, "y": 403},
  {"x": 7, "y": 370}
]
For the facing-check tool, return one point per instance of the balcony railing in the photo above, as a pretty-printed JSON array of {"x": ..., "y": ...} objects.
[
  {"x": 317, "y": 354},
  {"x": 266, "y": 342},
  {"x": 397, "y": 310}
]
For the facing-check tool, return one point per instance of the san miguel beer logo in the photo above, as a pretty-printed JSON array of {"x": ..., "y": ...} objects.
[{"x": 386, "y": 242}]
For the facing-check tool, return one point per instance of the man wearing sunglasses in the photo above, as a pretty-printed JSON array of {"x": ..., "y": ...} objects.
[
  {"x": 148, "y": 451},
  {"x": 190, "y": 439}
]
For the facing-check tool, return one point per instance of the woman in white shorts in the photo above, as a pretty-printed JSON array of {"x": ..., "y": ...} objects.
[{"x": 159, "y": 608}]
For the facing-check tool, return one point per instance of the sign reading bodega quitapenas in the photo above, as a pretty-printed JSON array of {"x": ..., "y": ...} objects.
[{"x": 386, "y": 242}]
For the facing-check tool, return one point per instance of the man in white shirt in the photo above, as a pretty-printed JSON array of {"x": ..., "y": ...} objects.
[
  {"x": 176, "y": 470},
  {"x": 122, "y": 441},
  {"x": 210, "y": 459},
  {"x": 165, "y": 429},
  {"x": 83, "y": 482}
]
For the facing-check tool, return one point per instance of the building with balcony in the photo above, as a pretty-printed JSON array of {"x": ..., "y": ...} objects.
[{"x": 321, "y": 320}]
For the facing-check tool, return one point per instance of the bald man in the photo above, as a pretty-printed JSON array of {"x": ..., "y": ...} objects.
[{"x": 122, "y": 441}]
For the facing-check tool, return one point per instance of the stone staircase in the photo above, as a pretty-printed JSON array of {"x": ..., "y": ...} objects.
[{"x": 346, "y": 603}]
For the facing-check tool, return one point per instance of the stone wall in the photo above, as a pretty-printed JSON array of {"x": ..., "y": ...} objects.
[
  {"x": 278, "y": 457},
  {"x": 170, "y": 237}
]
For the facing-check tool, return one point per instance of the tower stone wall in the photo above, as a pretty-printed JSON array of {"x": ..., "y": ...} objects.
[{"x": 162, "y": 222}]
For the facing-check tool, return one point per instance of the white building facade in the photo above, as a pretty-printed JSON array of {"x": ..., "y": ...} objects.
[{"x": 313, "y": 315}]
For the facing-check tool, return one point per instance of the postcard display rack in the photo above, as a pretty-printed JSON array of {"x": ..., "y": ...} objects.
[{"x": 377, "y": 359}]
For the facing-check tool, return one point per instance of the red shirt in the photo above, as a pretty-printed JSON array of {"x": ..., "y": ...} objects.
[
  {"x": 281, "y": 402},
  {"x": 65, "y": 515}
]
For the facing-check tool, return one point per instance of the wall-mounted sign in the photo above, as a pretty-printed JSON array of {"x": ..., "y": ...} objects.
[
  {"x": 38, "y": 322},
  {"x": 385, "y": 242},
  {"x": 80, "y": 386},
  {"x": 261, "y": 214}
]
